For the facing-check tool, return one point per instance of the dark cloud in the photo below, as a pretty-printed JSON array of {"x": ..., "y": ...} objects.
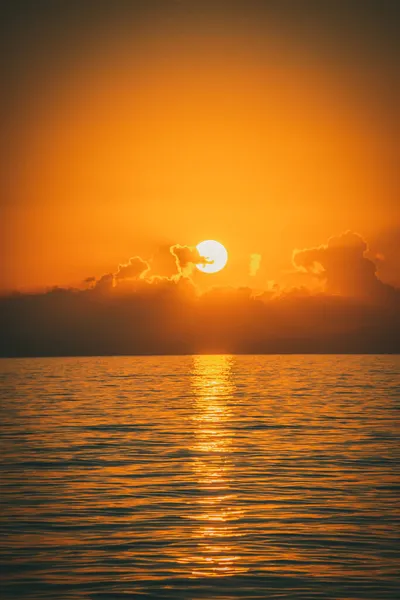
[
  {"x": 168, "y": 317},
  {"x": 136, "y": 312}
]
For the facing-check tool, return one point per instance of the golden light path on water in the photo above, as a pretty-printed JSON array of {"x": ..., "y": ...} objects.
[{"x": 213, "y": 388}]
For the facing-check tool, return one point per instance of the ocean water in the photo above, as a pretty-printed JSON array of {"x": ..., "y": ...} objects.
[{"x": 217, "y": 477}]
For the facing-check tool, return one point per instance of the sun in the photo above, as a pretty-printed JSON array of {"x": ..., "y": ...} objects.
[{"x": 215, "y": 253}]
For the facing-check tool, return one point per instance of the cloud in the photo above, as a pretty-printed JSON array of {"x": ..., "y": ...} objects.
[
  {"x": 90, "y": 280},
  {"x": 186, "y": 257},
  {"x": 344, "y": 267},
  {"x": 105, "y": 283},
  {"x": 255, "y": 261},
  {"x": 135, "y": 268},
  {"x": 133, "y": 311},
  {"x": 385, "y": 250}
]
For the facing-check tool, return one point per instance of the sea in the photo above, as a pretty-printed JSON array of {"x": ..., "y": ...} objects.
[{"x": 192, "y": 477}]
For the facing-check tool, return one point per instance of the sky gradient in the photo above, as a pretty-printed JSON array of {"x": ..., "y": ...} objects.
[{"x": 133, "y": 128}]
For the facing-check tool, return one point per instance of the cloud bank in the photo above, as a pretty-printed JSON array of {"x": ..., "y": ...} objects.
[{"x": 137, "y": 311}]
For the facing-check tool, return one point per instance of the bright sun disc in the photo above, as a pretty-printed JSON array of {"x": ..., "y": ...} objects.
[{"x": 215, "y": 253}]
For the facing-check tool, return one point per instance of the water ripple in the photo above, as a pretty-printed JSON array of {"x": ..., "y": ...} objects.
[{"x": 218, "y": 477}]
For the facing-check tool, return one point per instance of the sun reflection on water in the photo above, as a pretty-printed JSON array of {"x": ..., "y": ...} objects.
[{"x": 216, "y": 508}]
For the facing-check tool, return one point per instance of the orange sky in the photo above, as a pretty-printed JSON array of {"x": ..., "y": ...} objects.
[{"x": 175, "y": 129}]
